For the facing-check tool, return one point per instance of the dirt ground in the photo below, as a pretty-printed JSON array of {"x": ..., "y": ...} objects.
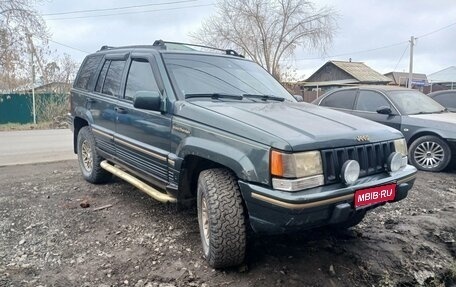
[{"x": 48, "y": 239}]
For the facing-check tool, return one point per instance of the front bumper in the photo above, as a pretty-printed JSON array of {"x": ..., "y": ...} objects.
[{"x": 273, "y": 211}]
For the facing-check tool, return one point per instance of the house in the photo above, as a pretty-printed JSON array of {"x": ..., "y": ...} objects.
[
  {"x": 335, "y": 74},
  {"x": 53, "y": 88},
  {"x": 419, "y": 81},
  {"x": 445, "y": 78}
]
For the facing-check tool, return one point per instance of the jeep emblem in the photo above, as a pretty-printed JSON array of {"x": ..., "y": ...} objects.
[{"x": 362, "y": 138}]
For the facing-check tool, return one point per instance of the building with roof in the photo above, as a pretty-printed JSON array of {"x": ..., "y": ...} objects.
[
  {"x": 402, "y": 78},
  {"x": 334, "y": 74},
  {"x": 445, "y": 77}
]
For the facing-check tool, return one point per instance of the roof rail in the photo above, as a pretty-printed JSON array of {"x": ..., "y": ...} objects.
[
  {"x": 161, "y": 43},
  {"x": 106, "y": 47}
]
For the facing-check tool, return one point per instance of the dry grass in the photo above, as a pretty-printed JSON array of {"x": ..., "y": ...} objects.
[{"x": 23, "y": 127}]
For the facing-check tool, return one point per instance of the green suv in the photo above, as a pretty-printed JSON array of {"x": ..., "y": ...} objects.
[{"x": 217, "y": 131}]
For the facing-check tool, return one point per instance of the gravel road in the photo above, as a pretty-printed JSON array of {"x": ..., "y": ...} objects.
[{"x": 124, "y": 238}]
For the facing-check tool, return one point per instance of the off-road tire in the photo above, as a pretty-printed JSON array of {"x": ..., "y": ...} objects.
[
  {"x": 433, "y": 143},
  {"x": 225, "y": 245},
  {"x": 93, "y": 174}
]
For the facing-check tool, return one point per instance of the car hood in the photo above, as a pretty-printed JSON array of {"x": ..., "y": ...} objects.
[
  {"x": 286, "y": 125},
  {"x": 444, "y": 124},
  {"x": 437, "y": 117}
]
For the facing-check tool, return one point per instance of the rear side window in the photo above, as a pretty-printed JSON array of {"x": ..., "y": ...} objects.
[
  {"x": 370, "y": 101},
  {"x": 446, "y": 99},
  {"x": 140, "y": 78},
  {"x": 102, "y": 76},
  {"x": 341, "y": 99},
  {"x": 87, "y": 70},
  {"x": 113, "y": 78}
]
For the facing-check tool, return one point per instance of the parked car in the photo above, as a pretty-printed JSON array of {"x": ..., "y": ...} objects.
[
  {"x": 219, "y": 132},
  {"x": 445, "y": 98},
  {"x": 430, "y": 130}
]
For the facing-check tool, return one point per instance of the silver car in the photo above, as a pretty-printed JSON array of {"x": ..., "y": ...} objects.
[{"x": 428, "y": 127}]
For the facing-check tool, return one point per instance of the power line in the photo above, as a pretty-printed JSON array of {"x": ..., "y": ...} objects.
[
  {"x": 437, "y": 30},
  {"x": 115, "y": 8},
  {"x": 379, "y": 48},
  {"x": 131, "y": 12},
  {"x": 64, "y": 45},
  {"x": 354, "y": 52},
  {"x": 403, "y": 53}
]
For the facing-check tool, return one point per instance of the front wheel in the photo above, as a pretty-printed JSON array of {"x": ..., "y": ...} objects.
[
  {"x": 221, "y": 218},
  {"x": 430, "y": 153}
]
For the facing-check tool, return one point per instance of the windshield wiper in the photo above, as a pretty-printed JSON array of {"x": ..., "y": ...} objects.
[
  {"x": 264, "y": 97},
  {"x": 214, "y": 96}
]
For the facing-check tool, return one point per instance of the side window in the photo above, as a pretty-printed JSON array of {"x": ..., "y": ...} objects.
[
  {"x": 113, "y": 78},
  {"x": 102, "y": 76},
  {"x": 446, "y": 99},
  {"x": 87, "y": 70},
  {"x": 370, "y": 101},
  {"x": 343, "y": 99},
  {"x": 140, "y": 78}
]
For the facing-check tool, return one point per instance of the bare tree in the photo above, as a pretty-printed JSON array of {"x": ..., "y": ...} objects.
[
  {"x": 21, "y": 30},
  {"x": 268, "y": 31},
  {"x": 60, "y": 71}
]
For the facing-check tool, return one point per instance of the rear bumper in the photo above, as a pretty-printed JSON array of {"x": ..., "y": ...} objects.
[{"x": 272, "y": 211}]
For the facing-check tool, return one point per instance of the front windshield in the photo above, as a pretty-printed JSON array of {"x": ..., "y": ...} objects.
[
  {"x": 203, "y": 74},
  {"x": 414, "y": 102}
]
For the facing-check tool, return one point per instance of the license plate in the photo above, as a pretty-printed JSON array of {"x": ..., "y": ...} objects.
[{"x": 375, "y": 195}]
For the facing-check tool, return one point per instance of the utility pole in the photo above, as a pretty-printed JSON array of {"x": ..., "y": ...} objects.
[
  {"x": 412, "y": 43},
  {"x": 33, "y": 78},
  {"x": 31, "y": 48},
  {"x": 33, "y": 90}
]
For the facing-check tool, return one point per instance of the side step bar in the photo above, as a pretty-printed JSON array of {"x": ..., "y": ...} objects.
[{"x": 149, "y": 190}]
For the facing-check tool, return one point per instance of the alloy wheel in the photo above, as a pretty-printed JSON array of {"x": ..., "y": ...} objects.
[
  {"x": 429, "y": 154},
  {"x": 87, "y": 160}
]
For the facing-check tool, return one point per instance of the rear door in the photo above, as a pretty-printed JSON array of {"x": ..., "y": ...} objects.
[
  {"x": 103, "y": 101},
  {"x": 143, "y": 136},
  {"x": 367, "y": 104},
  {"x": 343, "y": 100}
]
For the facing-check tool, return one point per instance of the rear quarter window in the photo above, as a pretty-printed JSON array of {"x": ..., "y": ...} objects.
[{"x": 87, "y": 71}]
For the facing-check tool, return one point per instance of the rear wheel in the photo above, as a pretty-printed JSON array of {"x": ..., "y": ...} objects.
[
  {"x": 430, "y": 153},
  {"x": 221, "y": 218},
  {"x": 89, "y": 159}
]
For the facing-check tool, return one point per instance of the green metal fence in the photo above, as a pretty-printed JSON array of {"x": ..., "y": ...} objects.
[{"x": 18, "y": 108}]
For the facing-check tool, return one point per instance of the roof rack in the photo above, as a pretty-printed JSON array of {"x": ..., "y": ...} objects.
[
  {"x": 106, "y": 47},
  {"x": 161, "y": 43}
]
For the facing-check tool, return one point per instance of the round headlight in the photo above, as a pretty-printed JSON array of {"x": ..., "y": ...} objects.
[
  {"x": 394, "y": 162},
  {"x": 350, "y": 171}
]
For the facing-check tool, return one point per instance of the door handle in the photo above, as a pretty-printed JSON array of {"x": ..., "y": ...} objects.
[
  {"x": 90, "y": 101},
  {"x": 120, "y": 110}
]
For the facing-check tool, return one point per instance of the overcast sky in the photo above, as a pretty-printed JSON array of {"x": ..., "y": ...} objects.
[{"x": 362, "y": 25}]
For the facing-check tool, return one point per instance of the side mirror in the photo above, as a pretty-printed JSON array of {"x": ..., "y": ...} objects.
[
  {"x": 147, "y": 100},
  {"x": 299, "y": 98},
  {"x": 384, "y": 110}
]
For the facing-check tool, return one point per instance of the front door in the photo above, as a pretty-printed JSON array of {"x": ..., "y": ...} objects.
[
  {"x": 367, "y": 104},
  {"x": 142, "y": 136}
]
